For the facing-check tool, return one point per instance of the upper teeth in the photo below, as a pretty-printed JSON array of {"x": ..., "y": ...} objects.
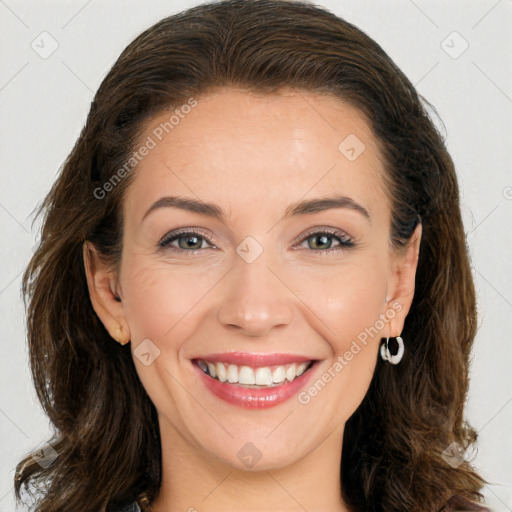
[{"x": 262, "y": 376}]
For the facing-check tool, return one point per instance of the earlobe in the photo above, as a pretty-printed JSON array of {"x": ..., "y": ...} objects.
[{"x": 107, "y": 304}]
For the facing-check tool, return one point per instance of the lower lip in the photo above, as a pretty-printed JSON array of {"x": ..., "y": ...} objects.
[{"x": 251, "y": 398}]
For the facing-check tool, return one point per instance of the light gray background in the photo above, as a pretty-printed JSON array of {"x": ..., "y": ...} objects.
[{"x": 44, "y": 103}]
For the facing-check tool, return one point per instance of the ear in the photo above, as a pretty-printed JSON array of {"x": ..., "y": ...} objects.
[
  {"x": 102, "y": 290},
  {"x": 401, "y": 287}
]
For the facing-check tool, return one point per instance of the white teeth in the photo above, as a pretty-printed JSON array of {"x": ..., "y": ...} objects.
[
  {"x": 211, "y": 369},
  {"x": 290, "y": 373},
  {"x": 279, "y": 375},
  {"x": 247, "y": 376},
  {"x": 263, "y": 377},
  {"x": 301, "y": 368},
  {"x": 232, "y": 373},
  {"x": 221, "y": 372}
]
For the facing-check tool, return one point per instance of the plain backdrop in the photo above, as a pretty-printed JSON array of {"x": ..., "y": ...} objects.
[{"x": 53, "y": 56}]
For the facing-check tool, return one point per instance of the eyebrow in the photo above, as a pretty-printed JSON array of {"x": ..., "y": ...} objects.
[{"x": 304, "y": 207}]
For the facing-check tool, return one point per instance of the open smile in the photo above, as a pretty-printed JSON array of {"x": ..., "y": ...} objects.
[{"x": 254, "y": 385}]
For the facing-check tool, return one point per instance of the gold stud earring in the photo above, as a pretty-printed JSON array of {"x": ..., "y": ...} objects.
[{"x": 121, "y": 338}]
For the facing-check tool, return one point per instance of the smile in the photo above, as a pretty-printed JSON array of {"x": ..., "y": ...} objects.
[
  {"x": 253, "y": 377},
  {"x": 254, "y": 380}
]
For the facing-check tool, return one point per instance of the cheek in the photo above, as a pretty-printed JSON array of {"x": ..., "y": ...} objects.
[
  {"x": 348, "y": 297},
  {"x": 161, "y": 298},
  {"x": 340, "y": 299},
  {"x": 348, "y": 300}
]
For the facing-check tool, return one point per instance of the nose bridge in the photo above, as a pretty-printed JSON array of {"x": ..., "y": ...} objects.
[{"x": 255, "y": 299}]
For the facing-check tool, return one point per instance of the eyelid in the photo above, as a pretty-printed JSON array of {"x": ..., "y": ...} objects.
[
  {"x": 345, "y": 240},
  {"x": 327, "y": 230},
  {"x": 171, "y": 235}
]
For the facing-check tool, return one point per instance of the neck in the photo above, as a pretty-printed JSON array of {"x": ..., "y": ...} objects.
[{"x": 194, "y": 480}]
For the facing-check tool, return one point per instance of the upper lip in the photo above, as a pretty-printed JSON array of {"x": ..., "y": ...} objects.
[{"x": 255, "y": 359}]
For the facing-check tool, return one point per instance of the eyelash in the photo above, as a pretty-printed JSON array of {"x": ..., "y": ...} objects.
[{"x": 345, "y": 241}]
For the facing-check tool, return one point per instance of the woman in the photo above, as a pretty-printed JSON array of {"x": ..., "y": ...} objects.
[{"x": 192, "y": 344}]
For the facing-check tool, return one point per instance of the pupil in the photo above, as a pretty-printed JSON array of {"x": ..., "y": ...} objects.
[
  {"x": 192, "y": 237},
  {"x": 325, "y": 239}
]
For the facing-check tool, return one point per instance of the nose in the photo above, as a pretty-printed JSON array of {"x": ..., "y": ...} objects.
[{"x": 255, "y": 299}]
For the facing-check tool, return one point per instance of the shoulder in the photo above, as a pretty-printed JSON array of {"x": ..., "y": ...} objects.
[{"x": 458, "y": 503}]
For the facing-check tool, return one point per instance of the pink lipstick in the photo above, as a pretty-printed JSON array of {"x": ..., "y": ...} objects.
[{"x": 254, "y": 380}]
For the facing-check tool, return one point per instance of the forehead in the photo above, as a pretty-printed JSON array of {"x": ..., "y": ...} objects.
[{"x": 236, "y": 148}]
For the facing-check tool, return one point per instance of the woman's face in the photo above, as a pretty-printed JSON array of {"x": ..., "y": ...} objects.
[{"x": 261, "y": 278}]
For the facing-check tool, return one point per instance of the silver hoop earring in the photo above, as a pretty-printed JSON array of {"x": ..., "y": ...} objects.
[{"x": 386, "y": 354}]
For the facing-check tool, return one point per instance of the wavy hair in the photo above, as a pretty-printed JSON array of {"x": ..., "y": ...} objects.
[{"x": 105, "y": 425}]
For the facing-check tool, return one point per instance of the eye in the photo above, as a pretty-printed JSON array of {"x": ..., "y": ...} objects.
[
  {"x": 322, "y": 238},
  {"x": 192, "y": 241}
]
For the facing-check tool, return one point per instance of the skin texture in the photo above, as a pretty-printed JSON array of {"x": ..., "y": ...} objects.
[{"x": 254, "y": 155}]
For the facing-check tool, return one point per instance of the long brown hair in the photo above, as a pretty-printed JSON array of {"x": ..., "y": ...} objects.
[{"x": 106, "y": 430}]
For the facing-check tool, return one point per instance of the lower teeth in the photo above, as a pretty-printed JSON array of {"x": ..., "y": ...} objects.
[{"x": 257, "y": 386}]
